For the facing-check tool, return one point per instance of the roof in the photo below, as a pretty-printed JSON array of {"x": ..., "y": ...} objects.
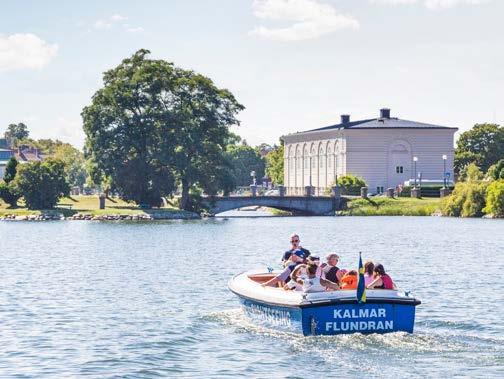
[{"x": 381, "y": 123}]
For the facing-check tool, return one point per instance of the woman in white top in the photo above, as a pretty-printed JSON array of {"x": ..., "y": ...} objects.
[{"x": 313, "y": 283}]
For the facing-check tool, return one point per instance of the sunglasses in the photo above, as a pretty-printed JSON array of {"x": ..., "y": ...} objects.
[{"x": 294, "y": 241}]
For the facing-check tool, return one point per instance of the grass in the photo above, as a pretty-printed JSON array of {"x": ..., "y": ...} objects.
[
  {"x": 382, "y": 206},
  {"x": 87, "y": 205}
]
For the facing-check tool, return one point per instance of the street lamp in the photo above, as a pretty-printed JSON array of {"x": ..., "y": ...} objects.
[
  {"x": 415, "y": 160},
  {"x": 444, "y": 170},
  {"x": 253, "y": 175}
]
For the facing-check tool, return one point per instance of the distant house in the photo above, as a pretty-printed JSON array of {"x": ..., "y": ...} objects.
[
  {"x": 5, "y": 155},
  {"x": 25, "y": 153},
  {"x": 384, "y": 151}
]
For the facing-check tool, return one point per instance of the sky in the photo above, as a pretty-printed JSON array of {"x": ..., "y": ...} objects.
[{"x": 294, "y": 64}]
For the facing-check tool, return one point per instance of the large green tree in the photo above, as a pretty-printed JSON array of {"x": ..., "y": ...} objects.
[
  {"x": 42, "y": 183},
  {"x": 275, "y": 165},
  {"x": 16, "y": 132},
  {"x": 482, "y": 145},
  {"x": 153, "y": 124},
  {"x": 244, "y": 160},
  {"x": 75, "y": 169}
]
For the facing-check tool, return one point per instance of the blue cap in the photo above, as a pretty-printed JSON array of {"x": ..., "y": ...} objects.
[{"x": 299, "y": 253}]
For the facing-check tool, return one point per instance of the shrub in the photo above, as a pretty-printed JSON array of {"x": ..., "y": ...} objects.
[
  {"x": 467, "y": 200},
  {"x": 8, "y": 192},
  {"x": 350, "y": 183},
  {"x": 42, "y": 184},
  {"x": 495, "y": 199},
  {"x": 496, "y": 171}
]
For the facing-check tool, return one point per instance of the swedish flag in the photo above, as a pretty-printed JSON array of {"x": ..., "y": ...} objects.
[{"x": 361, "y": 286}]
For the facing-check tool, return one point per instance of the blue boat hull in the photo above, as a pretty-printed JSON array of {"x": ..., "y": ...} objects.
[{"x": 334, "y": 318}]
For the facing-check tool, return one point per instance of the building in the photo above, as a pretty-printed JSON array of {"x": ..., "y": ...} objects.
[
  {"x": 5, "y": 155},
  {"x": 23, "y": 154},
  {"x": 381, "y": 150}
]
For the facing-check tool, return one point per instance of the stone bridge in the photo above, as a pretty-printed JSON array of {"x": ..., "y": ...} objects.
[{"x": 307, "y": 205}]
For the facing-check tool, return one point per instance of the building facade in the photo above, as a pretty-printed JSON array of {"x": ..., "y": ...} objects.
[{"x": 384, "y": 151}]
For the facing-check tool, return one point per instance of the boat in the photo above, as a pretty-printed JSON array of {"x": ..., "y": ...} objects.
[{"x": 322, "y": 313}]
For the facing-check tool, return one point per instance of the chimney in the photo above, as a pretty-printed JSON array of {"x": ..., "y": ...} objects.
[
  {"x": 385, "y": 113},
  {"x": 345, "y": 118}
]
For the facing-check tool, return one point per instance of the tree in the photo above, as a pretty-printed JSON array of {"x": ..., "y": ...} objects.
[
  {"x": 467, "y": 200},
  {"x": 8, "y": 192},
  {"x": 495, "y": 199},
  {"x": 482, "y": 145},
  {"x": 73, "y": 159},
  {"x": 153, "y": 124},
  {"x": 496, "y": 171},
  {"x": 42, "y": 184},
  {"x": 10, "y": 170},
  {"x": 275, "y": 165},
  {"x": 245, "y": 159},
  {"x": 471, "y": 173},
  {"x": 16, "y": 132}
]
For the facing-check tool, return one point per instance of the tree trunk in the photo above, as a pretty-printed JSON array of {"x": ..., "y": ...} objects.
[{"x": 184, "y": 199}]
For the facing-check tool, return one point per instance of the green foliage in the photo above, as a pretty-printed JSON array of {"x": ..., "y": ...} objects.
[
  {"x": 42, "y": 184},
  {"x": 467, "y": 200},
  {"x": 244, "y": 159},
  {"x": 382, "y": 206},
  {"x": 350, "y": 182},
  {"x": 8, "y": 192},
  {"x": 495, "y": 199},
  {"x": 153, "y": 124},
  {"x": 16, "y": 132},
  {"x": 275, "y": 164},
  {"x": 471, "y": 173},
  {"x": 10, "y": 170},
  {"x": 496, "y": 171},
  {"x": 482, "y": 145},
  {"x": 73, "y": 159}
]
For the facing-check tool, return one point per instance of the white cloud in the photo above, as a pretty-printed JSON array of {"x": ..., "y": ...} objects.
[
  {"x": 130, "y": 29},
  {"x": 309, "y": 19},
  {"x": 433, "y": 4},
  {"x": 101, "y": 24},
  {"x": 25, "y": 51},
  {"x": 115, "y": 19},
  {"x": 118, "y": 17}
]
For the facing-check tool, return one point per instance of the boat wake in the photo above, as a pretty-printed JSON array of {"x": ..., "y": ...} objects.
[{"x": 424, "y": 340}]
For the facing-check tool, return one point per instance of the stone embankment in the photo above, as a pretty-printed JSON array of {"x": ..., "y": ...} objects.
[{"x": 111, "y": 217}]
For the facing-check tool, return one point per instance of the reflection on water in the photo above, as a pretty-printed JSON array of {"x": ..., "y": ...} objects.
[{"x": 150, "y": 299}]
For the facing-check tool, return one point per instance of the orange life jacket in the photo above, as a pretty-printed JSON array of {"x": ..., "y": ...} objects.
[{"x": 349, "y": 282}]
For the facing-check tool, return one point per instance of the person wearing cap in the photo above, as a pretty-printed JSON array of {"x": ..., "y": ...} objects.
[
  {"x": 295, "y": 245},
  {"x": 296, "y": 258}
]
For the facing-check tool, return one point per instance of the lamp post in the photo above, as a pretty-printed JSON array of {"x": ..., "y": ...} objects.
[
  {"x": 444, "y": 170},
  {"x": 253, "y": 175},
  {"x": 415, "y": 160}
]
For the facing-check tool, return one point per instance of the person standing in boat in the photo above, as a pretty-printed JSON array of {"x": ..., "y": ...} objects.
[
  {"x": 330, "y": 271},
  {"x": 297, "y": 257},
  {"x": 295, "y": 245},
  {"x": 381, "y": 279}
]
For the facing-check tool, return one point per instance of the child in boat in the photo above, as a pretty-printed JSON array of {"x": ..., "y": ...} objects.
[
  {"x": 368, "y": 272},
  {"x": 381, "y": 279},
  {"x": 350, "y": 280},
  {"x": 312, "y": 283}
]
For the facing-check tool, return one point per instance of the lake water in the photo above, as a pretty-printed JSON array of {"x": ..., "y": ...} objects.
[{"x": 150, "y": 299}]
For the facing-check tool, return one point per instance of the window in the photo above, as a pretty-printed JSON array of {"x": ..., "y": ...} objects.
[
  {"x": 399, "y": 169},
  {"x": 379, "y": 190}
]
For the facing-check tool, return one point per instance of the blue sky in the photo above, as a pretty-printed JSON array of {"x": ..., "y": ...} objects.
[{"x": 294, "y": 64}]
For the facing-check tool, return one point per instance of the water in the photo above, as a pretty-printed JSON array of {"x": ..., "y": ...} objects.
[{"x": 150, "y": 299}]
